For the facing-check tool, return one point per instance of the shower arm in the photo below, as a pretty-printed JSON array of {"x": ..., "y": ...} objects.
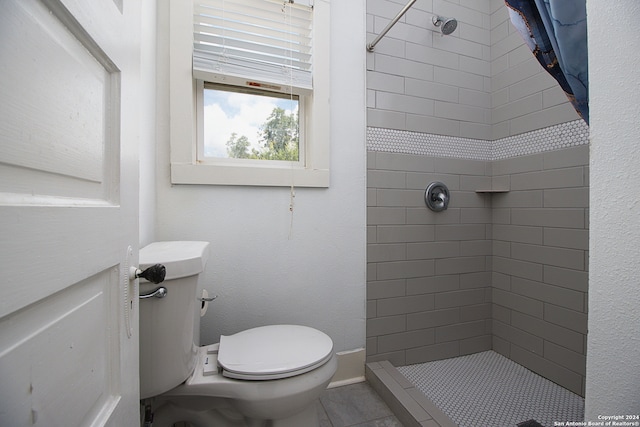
[{"x": 375, "y": 41}]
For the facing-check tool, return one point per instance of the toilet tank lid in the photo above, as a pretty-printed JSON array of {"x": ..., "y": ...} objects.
[{"x": 181, "y": 258}]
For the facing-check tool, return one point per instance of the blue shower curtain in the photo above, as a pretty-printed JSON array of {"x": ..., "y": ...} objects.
[{"x": 556, "y": 33}]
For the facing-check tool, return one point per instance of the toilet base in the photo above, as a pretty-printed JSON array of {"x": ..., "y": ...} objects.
[
  {"x": 168, "y": 414},
  {"x": 214, "y": 400}
]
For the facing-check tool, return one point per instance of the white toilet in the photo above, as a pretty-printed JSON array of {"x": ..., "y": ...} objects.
[{"x": 265, "y": 376}]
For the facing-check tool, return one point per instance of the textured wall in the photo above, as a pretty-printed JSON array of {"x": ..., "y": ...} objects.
[{"x": 613, "y": 362}]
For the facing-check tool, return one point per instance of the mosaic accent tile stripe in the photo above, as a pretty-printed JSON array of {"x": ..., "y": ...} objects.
[
  {"x": 556, "y": 137},
  {"x": 487, "y": 389},
  {"x": 426, "y": 144}
]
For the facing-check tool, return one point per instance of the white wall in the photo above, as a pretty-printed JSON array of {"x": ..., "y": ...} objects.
[
  {"x": 266, "y": 266},
  {"x": 613, "y": 352},
  {"x": 147, "y": 202}
]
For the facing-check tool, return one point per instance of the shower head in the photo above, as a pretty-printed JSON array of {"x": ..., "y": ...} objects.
[{"x": 447, "y": 25}]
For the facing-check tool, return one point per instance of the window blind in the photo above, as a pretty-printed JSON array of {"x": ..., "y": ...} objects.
[{"x": 265, "y": 40}]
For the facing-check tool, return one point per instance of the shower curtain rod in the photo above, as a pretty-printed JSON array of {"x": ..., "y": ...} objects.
[{"x": 375, "y": 41}]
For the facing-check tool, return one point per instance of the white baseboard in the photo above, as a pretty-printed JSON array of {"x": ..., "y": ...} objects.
[{"x": 350, "y": 368}]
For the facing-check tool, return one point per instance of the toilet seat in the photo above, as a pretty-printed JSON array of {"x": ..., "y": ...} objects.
[{"x": 273, "y": 352}]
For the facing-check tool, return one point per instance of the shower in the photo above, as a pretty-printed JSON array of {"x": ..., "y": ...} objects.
[{"x": 446, "y": 25}]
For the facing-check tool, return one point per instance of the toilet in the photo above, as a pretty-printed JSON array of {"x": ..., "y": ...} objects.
[{"x": 265, "y": 376}]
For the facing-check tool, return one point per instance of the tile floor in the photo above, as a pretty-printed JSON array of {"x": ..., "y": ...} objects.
[
  {"x": 488, "y": 389},
  {"x": 355, "y": 405},
  {"x": 499, "y": 393}
]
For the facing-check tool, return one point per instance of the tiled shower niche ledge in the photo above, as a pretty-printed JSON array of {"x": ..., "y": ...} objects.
[{"x": 493, "y": 190}]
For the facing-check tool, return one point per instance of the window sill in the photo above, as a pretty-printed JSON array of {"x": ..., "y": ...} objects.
[{"x": 208, "y": 174}]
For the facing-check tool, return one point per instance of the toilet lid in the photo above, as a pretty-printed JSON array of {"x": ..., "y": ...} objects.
[{"x": 273, "y": 352}]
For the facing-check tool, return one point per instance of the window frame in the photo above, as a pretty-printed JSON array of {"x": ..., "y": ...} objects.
[{"x": 183, "y": 123}]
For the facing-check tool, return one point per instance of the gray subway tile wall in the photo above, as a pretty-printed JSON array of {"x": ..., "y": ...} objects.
[
  {"x": 433, "y": 289},
  {"x": 549, "y": 237},
  {"x": 503, "y": 271},
  {"x": 497, "y": 270},
  {"x": 480, "y": 82}
]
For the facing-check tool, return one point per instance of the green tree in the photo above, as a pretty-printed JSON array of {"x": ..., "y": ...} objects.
[
  {"x": 238, "y": 147},
  {"x": 279, "y": 137}
]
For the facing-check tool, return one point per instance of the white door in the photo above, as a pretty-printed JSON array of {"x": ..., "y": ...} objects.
[{"x": 69, "y": 72}]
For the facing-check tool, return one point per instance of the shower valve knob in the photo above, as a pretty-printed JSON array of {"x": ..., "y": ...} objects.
[
  {"x": 154, "y": 274},
  {"x": 436, "y": 196},
  {"x": 439, "y": 198}
]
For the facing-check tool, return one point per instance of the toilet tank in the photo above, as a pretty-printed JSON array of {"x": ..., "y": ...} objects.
[{"x": 170, "y": 326}]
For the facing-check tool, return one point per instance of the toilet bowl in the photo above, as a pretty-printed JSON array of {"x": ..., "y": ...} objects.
[{"x": 269, "y": 375}]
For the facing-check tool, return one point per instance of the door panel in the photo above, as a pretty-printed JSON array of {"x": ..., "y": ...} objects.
[
  {"x": 64, "y": 141},
  {"x": 62, "y": 347},
  {"x": 69, "y": 79}
]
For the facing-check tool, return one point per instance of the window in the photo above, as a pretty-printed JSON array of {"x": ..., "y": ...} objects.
[
  {"x": 252, "y": 108},
  {"x": 248, "y": 124}
]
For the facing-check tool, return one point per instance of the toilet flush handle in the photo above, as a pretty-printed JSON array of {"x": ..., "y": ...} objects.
[{"x": 161, "y": 292}]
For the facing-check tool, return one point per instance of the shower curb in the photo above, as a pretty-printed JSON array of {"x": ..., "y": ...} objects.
[{"x": 408, "y": 404}]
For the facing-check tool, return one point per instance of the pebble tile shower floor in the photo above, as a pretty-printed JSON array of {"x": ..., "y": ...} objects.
[{"x": 487, "y": 389}]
